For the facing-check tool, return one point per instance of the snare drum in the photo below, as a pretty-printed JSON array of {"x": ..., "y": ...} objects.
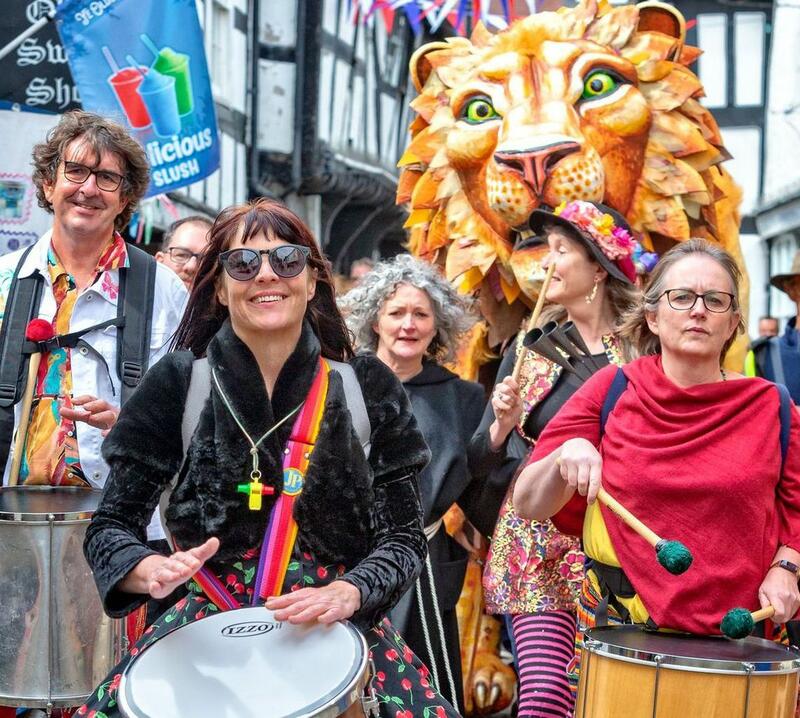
[
  {"x": 626, "y": 671},
  {"x": 56, "y": 643},
  {"x": 244, "y": 663}
]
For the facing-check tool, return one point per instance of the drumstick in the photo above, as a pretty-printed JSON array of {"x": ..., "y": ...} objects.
[
  {"x": 36, "y": 331},
  {"x": 672, "y": 555},
  {"x": 537, "y": 310},
  {"x": 739, "y": 622}
]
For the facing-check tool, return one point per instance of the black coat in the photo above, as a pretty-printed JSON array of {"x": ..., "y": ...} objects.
[
  {"x": 448, "y": 410},
  {"x": 362, "y": 513}
]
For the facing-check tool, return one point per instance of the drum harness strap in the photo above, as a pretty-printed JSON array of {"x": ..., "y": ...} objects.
[
  {"x": 133, "y": 322},
  {"x": 296, "y": 458},
  {"x": 613, "y": 582}
]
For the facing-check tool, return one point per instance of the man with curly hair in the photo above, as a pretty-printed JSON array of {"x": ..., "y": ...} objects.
[{"x": 90, "y": 174}]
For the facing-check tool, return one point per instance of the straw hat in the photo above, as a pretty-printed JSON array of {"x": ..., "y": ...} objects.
[{"x": 779, "y": 280}]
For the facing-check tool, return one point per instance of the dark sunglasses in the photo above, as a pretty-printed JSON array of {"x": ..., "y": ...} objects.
[{"x": 244, "y": 264}]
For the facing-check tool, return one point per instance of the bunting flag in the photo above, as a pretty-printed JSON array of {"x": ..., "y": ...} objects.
[
  {"x": 436, "y": 12},
  {"x": 143, "y": 63}
]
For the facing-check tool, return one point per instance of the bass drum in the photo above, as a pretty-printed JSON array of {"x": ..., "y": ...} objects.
[
  {"x": 626, "y": 671},
  {"x": 243, "y": 663}
]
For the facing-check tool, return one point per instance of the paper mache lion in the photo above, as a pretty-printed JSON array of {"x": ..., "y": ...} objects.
[{"x": 592, "y": 102}]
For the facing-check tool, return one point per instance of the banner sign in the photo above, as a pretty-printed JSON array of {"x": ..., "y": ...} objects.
[
  {"x": 36, "y": 73},
  {"x": 22, "y": 221},
  {"x": 142, "y": 62}
]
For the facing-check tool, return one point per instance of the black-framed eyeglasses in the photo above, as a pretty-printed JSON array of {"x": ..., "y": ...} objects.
[
  {"x": 243, "y": 264},
  {"x": 684, "y": 299},
  {"x": 106, "y": 180},
  {"x": 179, "y": 255}
]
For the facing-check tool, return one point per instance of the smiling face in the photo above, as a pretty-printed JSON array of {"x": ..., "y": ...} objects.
[
  {"x": 406, "y": 325},
  {"x": 575, "y": 274},
  {"x": 267, "y": 304},
  {"x": 695, "y": 334},
  {"x": 84, "y": 210}
]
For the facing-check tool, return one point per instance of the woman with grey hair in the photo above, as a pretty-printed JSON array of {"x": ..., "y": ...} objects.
[{"x": 410, "y": 317}]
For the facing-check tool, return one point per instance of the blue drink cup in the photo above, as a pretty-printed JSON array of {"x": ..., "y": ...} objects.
[{"x": 158, "y": 94}]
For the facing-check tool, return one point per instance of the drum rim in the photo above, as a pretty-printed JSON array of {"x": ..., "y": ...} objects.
[
  {"x": 600, "y": 647},
  {"x": 47, "y": 516},
  {"x": 339, "y": 699}
]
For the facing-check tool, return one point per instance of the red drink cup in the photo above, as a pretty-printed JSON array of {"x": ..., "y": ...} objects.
[{"x": 125, "y": 84}]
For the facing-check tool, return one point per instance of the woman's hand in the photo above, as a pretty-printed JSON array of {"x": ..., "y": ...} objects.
[
  {"x": 161, "y": 575},
  {"x": 507, "y": 407},
  {"x": 779, "y": 589},
  {"x": 337, "y": 601},
  {"x": 581, "y": 467}
]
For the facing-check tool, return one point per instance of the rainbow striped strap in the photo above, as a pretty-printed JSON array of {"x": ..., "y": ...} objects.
[
  {"x": 276, "y": 551},
  {"x": 281, "y": 532}
]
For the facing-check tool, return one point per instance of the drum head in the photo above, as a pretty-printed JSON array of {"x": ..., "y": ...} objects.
[
  {"x": 244, "y": 663},
  {"x": 677, "y": 649},
  {"x": 37, "y": 503}
]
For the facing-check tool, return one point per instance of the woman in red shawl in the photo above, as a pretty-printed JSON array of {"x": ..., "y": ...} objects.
[{"x": 692, "y": 450}]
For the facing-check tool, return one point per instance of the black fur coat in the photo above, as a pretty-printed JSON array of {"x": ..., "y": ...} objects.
[{"x": 363, "y": 513}]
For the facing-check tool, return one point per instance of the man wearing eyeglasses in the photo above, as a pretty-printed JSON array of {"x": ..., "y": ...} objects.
[
  {"x": 183, "y": 245},
  {"x": 90, "y": 174}
]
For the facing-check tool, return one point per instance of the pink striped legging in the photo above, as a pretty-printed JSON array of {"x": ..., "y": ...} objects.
[{"x": 545, "y": 645}]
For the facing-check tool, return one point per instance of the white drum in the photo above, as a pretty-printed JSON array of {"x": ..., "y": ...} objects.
[{"x": 243, "y": 663}]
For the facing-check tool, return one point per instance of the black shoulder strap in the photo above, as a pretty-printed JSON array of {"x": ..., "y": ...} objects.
[
  {"x": 22, "y": 305},
  {"x": 785, "y": 414},
  {"x": 618, "y": 385},
  {"x": 136, "y": 291}
]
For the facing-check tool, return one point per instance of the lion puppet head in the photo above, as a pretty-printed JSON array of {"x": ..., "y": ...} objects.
[{"x": 591, "y": 102}]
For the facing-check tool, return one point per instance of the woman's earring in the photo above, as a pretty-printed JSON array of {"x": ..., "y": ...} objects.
[{"x": 589, "y": 298}]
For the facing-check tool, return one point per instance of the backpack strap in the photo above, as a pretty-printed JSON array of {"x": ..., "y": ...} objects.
[
  {"x": 785, "y": 415},
  {"x": 137, "y": 284},
  {"x": 199, "y": 391},
  {"x": 618, "y": 385},
  {"x": 22, "y": 305},
  {"x": 355, "y": 403},
  {"x": 775, "y": 360}
]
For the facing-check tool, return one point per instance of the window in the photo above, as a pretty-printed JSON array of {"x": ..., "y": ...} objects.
[
  {"x": 749, "y": 43},
  {"x": 713, "y": 63}
]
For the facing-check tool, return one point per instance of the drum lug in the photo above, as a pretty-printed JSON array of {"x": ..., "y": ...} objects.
[
  {"x": 369, "y": 700},
  {"x": 748, "y": 668}
]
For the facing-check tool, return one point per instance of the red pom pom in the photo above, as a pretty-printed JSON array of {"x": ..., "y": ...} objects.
[{"x": 39, "y": 330}]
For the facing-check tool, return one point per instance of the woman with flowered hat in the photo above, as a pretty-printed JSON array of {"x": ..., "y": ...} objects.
[{"x": 533, "y": 572}]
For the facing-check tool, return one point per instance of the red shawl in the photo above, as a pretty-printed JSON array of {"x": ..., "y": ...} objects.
[{"x": 700, "y": 465}]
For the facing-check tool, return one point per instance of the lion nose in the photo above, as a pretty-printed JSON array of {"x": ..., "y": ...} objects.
[{"x": 535, "y": 165}]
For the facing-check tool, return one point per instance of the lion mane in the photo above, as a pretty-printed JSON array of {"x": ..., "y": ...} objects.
[{"x": 591, "y": 102}]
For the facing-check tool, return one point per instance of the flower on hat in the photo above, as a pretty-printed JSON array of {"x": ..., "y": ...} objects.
[{"x": 614, "y": 241}]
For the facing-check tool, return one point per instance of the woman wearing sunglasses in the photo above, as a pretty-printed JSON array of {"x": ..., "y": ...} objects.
[
  {"x": 262, "y": 312},
  {"x": 693, "y": 450}
]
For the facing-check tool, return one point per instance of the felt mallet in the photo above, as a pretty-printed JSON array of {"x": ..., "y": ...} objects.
[
  {"x": 537, "y": 310},
  {"x": 38, "y": 330},
  {"x": 672, "y": 555},
  {"x": 739, "y": 622}
]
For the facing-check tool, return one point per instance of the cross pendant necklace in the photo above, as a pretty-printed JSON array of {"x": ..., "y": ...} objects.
[{"x": 255, "y": 489}]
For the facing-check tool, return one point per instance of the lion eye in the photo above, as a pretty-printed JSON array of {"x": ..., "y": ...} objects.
[
  {"x": 599, "y": 84},
  {"x": 479, "y": 109}
]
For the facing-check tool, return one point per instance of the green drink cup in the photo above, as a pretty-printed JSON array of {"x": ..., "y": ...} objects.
[{"x": 174, "y": 64}]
